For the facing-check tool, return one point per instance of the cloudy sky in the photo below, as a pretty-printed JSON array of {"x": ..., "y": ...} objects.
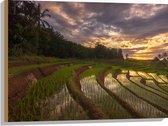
[{"x": 141, "y": 30}]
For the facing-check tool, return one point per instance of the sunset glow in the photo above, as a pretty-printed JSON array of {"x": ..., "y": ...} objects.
[{"x": 140, "y": 30}]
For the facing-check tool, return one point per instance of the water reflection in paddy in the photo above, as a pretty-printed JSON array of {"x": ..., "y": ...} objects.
[
  {"x": 143, "y": 93},
  {"x": 163, "y": 77},
  {"x": 63, "y": 107},
  {"x": 110, "y": 106},
  {"x": 140, "y": 106},
  {"x": 156, "y": 77},
  {"x": 144, "y": 75},
  {"x": 150, "y": 86},
  {"x": 133, "y": 73}
]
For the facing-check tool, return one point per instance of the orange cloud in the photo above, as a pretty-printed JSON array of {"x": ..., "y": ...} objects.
[{"x": 150, "y": 46}]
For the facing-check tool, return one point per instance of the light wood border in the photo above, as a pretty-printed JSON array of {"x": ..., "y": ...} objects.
[{"x": 6, "y": 60}]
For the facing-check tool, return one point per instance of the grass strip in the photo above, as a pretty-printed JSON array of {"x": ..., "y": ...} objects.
[
  {"x": 95, "y": 70},
  {"x": 19, "y": 69},
  {"x": 27, "y": 109}
]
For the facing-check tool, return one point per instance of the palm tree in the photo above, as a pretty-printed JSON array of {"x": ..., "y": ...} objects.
[
  {"x": 159, "y": 56},
  {"x": 165, "y": 55},
  {"x": 39, "y": 15},
  {"x": 29, "y": 8},
  {"x": 34, "y": 13},
  {"x": 156, "y": 59}
]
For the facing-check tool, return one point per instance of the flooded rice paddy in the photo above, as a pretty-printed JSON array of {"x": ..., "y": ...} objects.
[
  {"x": 139, "y": 105},
  {"x": 63, "y": 106},
  {"x": 146, "y": 99},
  {"x": 110, "y": 106},
  {"x": 133, "y": 94}
]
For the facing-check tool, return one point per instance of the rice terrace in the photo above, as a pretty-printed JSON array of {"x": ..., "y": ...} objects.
[{"x": 87, "y": 61}]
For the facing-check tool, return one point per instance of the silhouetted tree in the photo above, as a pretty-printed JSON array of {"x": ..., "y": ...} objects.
[
  {"x": 39, "y": 15},
  {"x": 30, "y": 34},
  {"x": 126, "y": 56},
  {"x": 156, "y": 59}
]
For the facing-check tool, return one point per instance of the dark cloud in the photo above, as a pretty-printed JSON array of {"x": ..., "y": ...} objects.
[
  {"x": 146, "y": 27},
  {"x": 81, "y": 22},
  {"x": 71, "y": 10},
  {"x": 110, "y": 15},
  {"x": 115, "y": 15}
]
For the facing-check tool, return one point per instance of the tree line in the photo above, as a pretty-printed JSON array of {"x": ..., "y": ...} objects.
[
  {"x": 30, "y": 34},
  {"x": 162, "y": 56}
]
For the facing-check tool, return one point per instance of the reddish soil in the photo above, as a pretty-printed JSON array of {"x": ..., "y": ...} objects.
[
  {"x": 128, "y": 75},
  {"x": 143, "y": 81},
  {"x": 92, "y": 110},
  {"x": 20, "y": 83},
  {"x": 78, "y": 72},
  {"x": 102, "y": 75},
  {"x": 116, "y": 72}
]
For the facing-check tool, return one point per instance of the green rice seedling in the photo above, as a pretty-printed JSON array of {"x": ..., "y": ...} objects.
[
  {"x": 162, "y": 86},
  {"x": 144, "y": 75},
  {"x": 40, "y": 91},
  {"x": 124, "y": 71},
  {"x": 133, "y": 73},
  {"x": 140, "y": 106},
  {"x": 63, "y": 106},
  {"x": 93, "y": 90},
  {"x": 158, "y": 92},
  {"x": 95, "y": 70},
  {"x": 146, "y": 95},
  {"x": 156, "y": 77},
  {"x": 152, "y": 84},
  {"x": 164, "y": 78}
]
